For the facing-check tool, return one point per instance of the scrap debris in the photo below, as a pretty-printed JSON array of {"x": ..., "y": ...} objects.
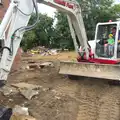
[
  {"x": 46, "y": 64},
  {"x": 8, "y": 90},
  {"x": 41, "y": 50},
  {"x": 32, "y": 66},
  {"x": 16, "y": 113},
  {"x": 20, "y": 110},
  {"x": 21, "y": 113},
  {"x": 25, "y": 89}
]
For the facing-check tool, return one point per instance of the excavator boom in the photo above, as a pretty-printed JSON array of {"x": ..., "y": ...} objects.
[{"x": 15, "y": 24}]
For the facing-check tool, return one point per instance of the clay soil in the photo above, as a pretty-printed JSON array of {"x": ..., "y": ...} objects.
[{"x": 61, "y": 98}]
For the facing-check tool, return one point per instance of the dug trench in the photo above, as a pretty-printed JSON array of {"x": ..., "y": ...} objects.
[{"x": 60, "y": 98}]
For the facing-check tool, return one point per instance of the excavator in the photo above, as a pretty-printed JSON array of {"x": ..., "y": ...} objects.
[{"x": 92, "y": 61}]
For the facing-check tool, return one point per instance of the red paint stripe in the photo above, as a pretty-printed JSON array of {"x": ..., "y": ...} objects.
[
  {"x": 103, "y": 61},
  {"x": 64, "y": 3},
  {"x": 99, "y": 61}
]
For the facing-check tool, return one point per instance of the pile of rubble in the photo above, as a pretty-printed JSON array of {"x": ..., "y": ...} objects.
[
  {"x": 28, "y": 91},
  {"x": 43, "y": 51}
]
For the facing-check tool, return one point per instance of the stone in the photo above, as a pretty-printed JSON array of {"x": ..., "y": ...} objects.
[
  {"x": 24, "y": 85},
  {"x": 8, "y": 90},
  {"x": 28, "y": 93},
  {"x": 20, "y": 110},
  {"x": 21, "y": 117}
]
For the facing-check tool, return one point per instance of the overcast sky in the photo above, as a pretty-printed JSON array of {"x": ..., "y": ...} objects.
[
  {"x": 46, "y": 9},
  {"x": 50, "y": 11},
  {"x": 117, "y": 1}
]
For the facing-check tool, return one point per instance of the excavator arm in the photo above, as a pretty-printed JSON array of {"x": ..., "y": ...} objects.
[
  {"x": 12, "y": 28},
  {"x": 15, "y": 24},
  {"x": 75, "y": 20}
]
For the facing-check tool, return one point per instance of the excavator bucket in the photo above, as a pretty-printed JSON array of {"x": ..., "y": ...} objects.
[{"x": 111, "y": 72}]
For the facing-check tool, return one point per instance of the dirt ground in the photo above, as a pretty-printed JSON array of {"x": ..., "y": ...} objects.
[{"x": 61, "y": 98}]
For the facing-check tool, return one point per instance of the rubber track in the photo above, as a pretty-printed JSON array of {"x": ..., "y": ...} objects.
[{"x": 109, "y": 108}]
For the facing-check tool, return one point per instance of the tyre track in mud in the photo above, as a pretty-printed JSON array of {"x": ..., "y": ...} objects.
[
  {"x": 96, "y": 100},
  {"x": 99, "y": 103},
  {"x": 110, "y": 105},
  {"x": 87, "y": 110},
  {"x": 84, "y": 99}
]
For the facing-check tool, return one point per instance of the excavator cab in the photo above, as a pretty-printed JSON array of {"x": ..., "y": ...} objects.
[
  {"x": 102, "y": 65},
  {"x": 107, "y": 45}
]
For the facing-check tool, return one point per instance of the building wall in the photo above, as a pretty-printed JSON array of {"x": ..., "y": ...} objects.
[
  {"x": 17, "y": 60},
  {"x": 3, "y": 8}
]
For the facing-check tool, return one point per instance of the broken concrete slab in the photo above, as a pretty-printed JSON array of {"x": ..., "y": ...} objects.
[
  {"x": 8, "y": 90},
  {"x": 46, "y": 64},
  {"x": 29, "y": 93},
  {"x": 20, "y": 110},
  {"x": 27, "y": 90},
  {"x": 24, "y": 85}
]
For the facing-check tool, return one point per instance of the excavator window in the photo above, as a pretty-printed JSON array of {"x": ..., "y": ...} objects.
[
  {"x": 118, "y": 47},
  {"x": 105, "y": 40}
]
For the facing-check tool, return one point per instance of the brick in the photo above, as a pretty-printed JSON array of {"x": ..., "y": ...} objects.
[
  {"x": 17, "y": 61},
  {"x": 3, "y": 8}
]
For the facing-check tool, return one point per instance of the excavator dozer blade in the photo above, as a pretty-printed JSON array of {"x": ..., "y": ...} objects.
[{"x": 105, "y": 71}]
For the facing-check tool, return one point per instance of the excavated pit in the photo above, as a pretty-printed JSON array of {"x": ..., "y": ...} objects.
[{"x": 63, "y": 99}]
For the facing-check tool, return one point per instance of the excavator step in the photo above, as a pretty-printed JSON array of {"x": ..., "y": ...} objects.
[{"x": 105, "y": 71}]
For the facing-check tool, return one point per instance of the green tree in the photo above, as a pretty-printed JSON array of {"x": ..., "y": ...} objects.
[
  {"x": 95, "y": 11},
  {"x": 115, "y": 10},
  {"x": 63, "y": 36},
  {"x": 44, "y": 30},
  {"x": 29, "y": 40},
  {"x": 41, "y": 34}
]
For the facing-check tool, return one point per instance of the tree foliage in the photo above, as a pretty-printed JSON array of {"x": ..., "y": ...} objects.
[
  {"x": 44, "y": 34},
  {"x": 41, "y": 34},
  {"x": 95, "y": 11},
  {"x": 63, "y": 35}
]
